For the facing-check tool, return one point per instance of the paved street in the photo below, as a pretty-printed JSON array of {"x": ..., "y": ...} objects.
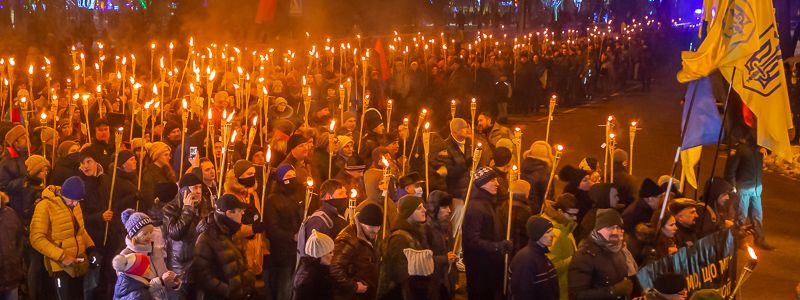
[{"x": 658, "y": 113}]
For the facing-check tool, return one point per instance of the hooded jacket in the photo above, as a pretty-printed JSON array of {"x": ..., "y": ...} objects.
[
  {"x": 394, "y": 268},
  {"x": 58, "y": 231},
  {"x": 536, "y": 172},
  {"x": 13, "y": 174},
  {"x": 439, "y": 235},
  {"x": 220, "y": 267},
  {"x": 563, "y": 247},
  {"x": 600, "y": 195},
  {"x": 12, "y": 273},
  {"x": 354, "y": 259}
]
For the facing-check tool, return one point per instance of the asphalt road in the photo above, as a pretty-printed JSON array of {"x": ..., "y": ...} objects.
[{"x": 658, "y": 113}]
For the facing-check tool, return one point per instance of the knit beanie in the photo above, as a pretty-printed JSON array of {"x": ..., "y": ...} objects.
[
  {"x": 420, "y": 262},
  {"x": 372, "y": 119},
  {"x": 134, "y": 221},
  {"x": 347, "y": 116},
  {"x": 521, "y": 187},
  {"x": 280, "y": 100},
  {"x": 35, "y": 164},
  {"x": 73, "y": 188},
  {"x": 281, "y": 171},
  {"x": 343, "y": 141},
  {"x": 571, "y": 175},
  {"x": 541, "y": 150},
  {"x": 294, "y": 141},
  {"x": 501, "y": 156},
  {"x": 649, "y": 188},
  {"x": 133, "y": 264},
  {"x": 371, "y": 215},
  {"x": 15, "y": 133},
  {"x": 240, "y": 167},
  {"x": 536, "y": 227},
  {"x": 484, "y": 175},
  {"x": 190, "y": 179},
  {"x": 165, "y": 191},
  {"x": 670, "y": 283},
  {"x": 458, "y": 124},
  {"x": 504, "y": 143},
  {"x": 407, "y": 205},
  {"x": 64, "y": 147},
  {"x": 47, "y": 134},
  {"x": 318, "y": 244},
  {"x": 284, "y": 126},
  {"x": 124, "y": 156},
  {"x": 157, "y": 149},
  {"x": 566, "y": 201},
  {"x": 607, "y": 217},
  {"x": 137, "y": 143},
  {"x": 87, "y": 152},
  {"x": 170, "y": 126},
  {"x": 620, "y": 155}
]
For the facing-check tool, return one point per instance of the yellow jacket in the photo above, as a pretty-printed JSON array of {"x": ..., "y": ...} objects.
[{"x": 57, "y": 231}]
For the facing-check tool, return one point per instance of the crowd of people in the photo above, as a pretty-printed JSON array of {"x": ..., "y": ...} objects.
[{"x": 119, "y": 201}]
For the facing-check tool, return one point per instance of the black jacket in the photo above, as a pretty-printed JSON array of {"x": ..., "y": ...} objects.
[
  {"x": 536, "y": 172},
  {"x": 181, "y": 234},
  {"x": 394, "y": 267},
  {"x": 439, "y": 235},
  {"x": 636, "y": 214},
  {"x": 458, "y": 165},
  {"x": 532, "y": 274},
  {"x": 312, "y": 280},
  {"x": 354, "y": 260},
  {"x": 219, "y": 267},
  {"x": 64, "y": 167},
  {"x": 520, "y": 212},
  {"x": 482, "y": 244},
  {"x": 12, "y": 271},
  {"x": 13, "y": 175},
  {"x": 743, "y": 167},
  {"x": 283, "y": 216},
  {"x": 594, "y": 270},
  {"x": 95, "y": 202}
]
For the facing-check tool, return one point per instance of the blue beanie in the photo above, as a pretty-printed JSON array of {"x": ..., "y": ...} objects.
[
  {"x": 73, "y": 188},
  {"x": 281, "y": 172},
  {"x": 134, "y": 221}
]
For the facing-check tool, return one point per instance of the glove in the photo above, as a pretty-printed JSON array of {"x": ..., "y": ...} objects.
[
  {"x": 622, "y": 289},
  {"x": 259, "y": 226},
  {"x": 506, "y": 246}
]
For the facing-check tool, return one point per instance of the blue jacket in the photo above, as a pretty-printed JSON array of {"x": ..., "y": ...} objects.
[
  {"x": 533, "y": 276},
  {"x": 129, "y": 288}
]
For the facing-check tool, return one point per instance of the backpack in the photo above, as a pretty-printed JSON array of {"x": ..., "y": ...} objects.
[{"x": 301, "y": 234}]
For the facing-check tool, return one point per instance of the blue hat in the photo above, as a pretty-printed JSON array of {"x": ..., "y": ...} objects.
[
  {"x": 134, "y": 221},
  {"x": 282, "y": 170},
  {"x": 73, "y": 188}
]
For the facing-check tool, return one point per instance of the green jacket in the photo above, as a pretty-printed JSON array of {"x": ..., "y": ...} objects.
[{"x": 563, "y": 246}]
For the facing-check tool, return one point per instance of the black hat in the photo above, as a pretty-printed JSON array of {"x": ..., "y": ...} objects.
[
  {"x": 371, "y": 215},
  {"x": 170, "y": 126},
  {"x": 571, "y": 174},
  {"x": 229, "y": 202},
  {"x": 190, "y": 179},
  {"x": 501, "y": 156},
  {"x": 165, "y": 191},
  {"x": 649, "y": 189},
  {"x": 355, "y": 163},
  {"x": 536, "y": 227},
  {"x": 372, "y": 119},
  {"x": 409, "y": 179},
  {"x": 87, "y": 153},
  {"x": 294, "y": 141},
  {"x": 101, "y": 122},
  {"x": 670, "y": 283},
  {"x": 124, "y": 156},
  {"x": 607, "y": 217}
]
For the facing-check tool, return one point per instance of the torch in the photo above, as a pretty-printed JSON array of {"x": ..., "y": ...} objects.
[
  {"x": 30, "y": 82},
  {"x": 512, "y": 176},
  {"x": 632, "y": 132},
  {"x": 210, "y": 133},
  {"x": 426, "y": 143},
  {"x": 386, "y": 176},
  {"x": 342, "y": 107},
  {"x": 184, "y": 118},
  {"x": 134, "y": 98},
  {"x": 351, "y": 206},
  {"x": 612, "y": 140},
  {"x": 117, "y": 142},
  {"x": 476, "y": 157},
  {"x": 518, "y": 144},
  {"x": 142, "y": 151},
  {"x": 44, "y": 121},
  {"x": 405, "y": 145},
  {"x": 364, "y": 106},
  {"x": 416, "y": 132},
  {"x": 749, "y": 267},
  {"x": 266, "y": 177},
  {"x": 307, "y": 105},
  {"x": 85, "y": 103},
  {"x": 473, "y": 107},
  {"x": 453, "y": 108},
  {"x": 559, "y": 151},
  {"x": 606, "y": 153},
  {"x": 251, "y": 135},
  {"x": 388, "y": 114},
  {"x": 550, "y": 111},
  {"x": 309, "y": 189},
  {"x": 331, "y": 149}
]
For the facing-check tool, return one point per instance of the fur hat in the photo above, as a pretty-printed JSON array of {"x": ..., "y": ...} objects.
[
  {"x": 157, "y": 149},
  {"x": 521, "y": 187},
  {"x": 64, "y": 147},
  {"x": 35, "y": 164},
  {"x": 649, "y": 188},
  {"x": 47, "y": 134},
  {"x": 620, "y": 155},
  {"x": 420, "y": 262},
  {"x": 318, "y": 244},
  {"x": 371, "y": 215},
  {"x": 541, "y": 150},
  {"x": 484, "y": 175},
  {"x": 607, "y": 217},
  {"x": 134, "y": 221},
  {"x": 73, "y": 188},
  {"x": 536, "y": 227},
  {"x": 14, "y": 134}
]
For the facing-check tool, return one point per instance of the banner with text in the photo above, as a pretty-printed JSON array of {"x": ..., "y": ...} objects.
[{"x": 709, "y": 264}]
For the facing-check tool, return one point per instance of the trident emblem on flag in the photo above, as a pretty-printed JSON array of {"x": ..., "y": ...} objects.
[{"x": 763, "y": 67}]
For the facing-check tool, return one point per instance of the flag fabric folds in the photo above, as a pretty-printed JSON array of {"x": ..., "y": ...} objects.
[
  {"x": 743, "y": 44},
  {"x": 702, "y": 126}
]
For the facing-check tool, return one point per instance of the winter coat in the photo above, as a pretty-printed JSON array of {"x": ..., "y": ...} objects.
[
  {"x": 394, "y": 267},
  {"x": 458, "y": 165},
  {"x": 532, "y": 275},
  {"x": 156, "y": 252},
  {"x": 563, "y": 247},
  {"x": 152, "y": 175},
  {"x": 312, "y": 280},
  {"x": 58, "y": 231},
  {"x": 104, "y": 152},
  {"x": 536, "y": 172},
  {"x": 520, "y": 212},
  {"x": 13, "y": 175},
  {"x": 31, "y": 193},
  {"x": 95, "y": 202},
  {"x": 369, "y": 142},
  {"x": 180, "y": 222},
  {"x": 354, "y": 259},
  {"x": 686, "y": 235},
  {"x": 131, "y": 287},
  {"x": 439, "y": 236},
  {"x": 331, "y": 224},
  {"x": 624, "y": 183},
  {"x": 601, "y": 198},
  {"x": 743, "y": 167},
  {"x": 482, "y": 243},
  {"x": 594, "y": 270},
  {"x": 220, "y": 267},
  {"x": 283, "y": 216},
  {"x": 635, "y": 214},
  {"x": 64, "y": 167},
  {"x": 582, "y": 200},
  {"x": 12, "y": 272}
]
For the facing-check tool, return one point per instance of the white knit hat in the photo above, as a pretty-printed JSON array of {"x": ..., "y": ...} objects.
[
  {"x": 318, "y": 244},
  {"x": 420, "y": 262}
]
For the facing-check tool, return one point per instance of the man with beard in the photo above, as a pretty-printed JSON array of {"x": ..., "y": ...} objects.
[
  {"x": 483, "y": 243},
  {"x": 407, "y": 233},
  {"x": 602, "y": 266},
  {"x": 298, "y": 150},
  {"x": 329, "y": 218},
  {"x": 354, "y": 268},
  {"x": 532, "y": 274},
  {"x": 284, "y": 214},
  {"x": 491, "y": 131},
  {"x": 13, "y": 172},
  {"x": 101, "y": 144},
  {"x": 438, "y": 231},
  {"x": 172, "y": 133},
  {"x": 685, "y": 212}
]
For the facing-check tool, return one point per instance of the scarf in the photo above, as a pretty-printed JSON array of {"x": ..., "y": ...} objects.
[{"x": 616, "y": 247}]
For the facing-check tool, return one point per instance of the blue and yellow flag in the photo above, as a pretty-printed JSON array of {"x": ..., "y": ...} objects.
[
  {"x": 702, "y": 127},
  {"x": 742, "y": 42}
]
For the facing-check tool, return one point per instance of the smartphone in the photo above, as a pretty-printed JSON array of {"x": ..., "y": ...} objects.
[{"x": 192, "y": 154}]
